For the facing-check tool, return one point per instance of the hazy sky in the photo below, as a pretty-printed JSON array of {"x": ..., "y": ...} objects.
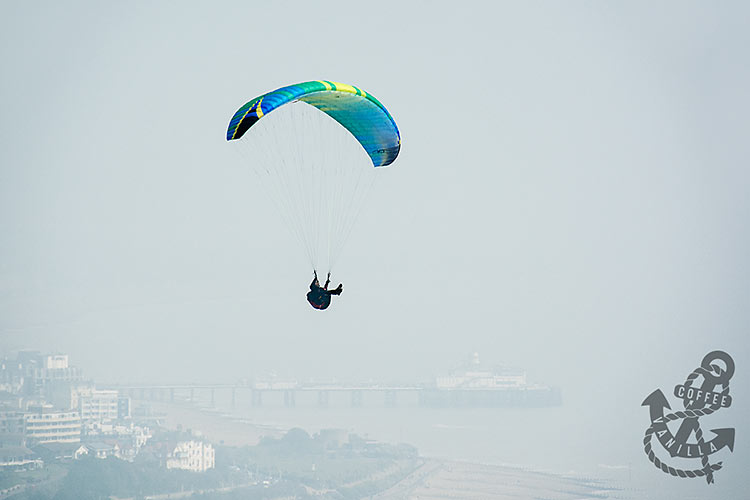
[{"x": 572, "y": 193}]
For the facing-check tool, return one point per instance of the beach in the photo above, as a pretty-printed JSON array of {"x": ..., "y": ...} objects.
[
  {"x": 445, "y": 479},
  {"x": 436, "y": 477}
]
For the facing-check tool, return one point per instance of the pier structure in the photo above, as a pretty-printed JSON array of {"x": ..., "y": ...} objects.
[{"x": 287, "y": 393}]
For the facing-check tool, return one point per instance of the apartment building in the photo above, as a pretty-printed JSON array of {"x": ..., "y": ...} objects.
[{"x": 44, "y": 425}]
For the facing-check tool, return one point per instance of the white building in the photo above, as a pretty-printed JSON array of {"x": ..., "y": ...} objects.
[
  {"x": 192, "y": 455},
  {"x": 97, "y": 405},
  {"x": 47, "y": 426},
  {"x": 56, "y": 362},
  {"x": 474, "y": 377}
]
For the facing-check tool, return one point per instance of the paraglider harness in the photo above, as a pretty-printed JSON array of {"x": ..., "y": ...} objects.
[{"x": 320, "y": 297}]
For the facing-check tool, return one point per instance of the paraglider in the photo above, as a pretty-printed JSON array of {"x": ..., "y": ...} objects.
[
  {"x": 316, "y": 146},
  {"x": 320, "y": 297}
]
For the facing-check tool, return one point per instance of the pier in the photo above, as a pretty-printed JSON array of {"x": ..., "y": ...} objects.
[{"x": 292, "y": 394}]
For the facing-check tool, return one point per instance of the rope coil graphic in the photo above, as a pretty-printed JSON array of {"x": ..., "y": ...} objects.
[{"x": 720, "y": 377}]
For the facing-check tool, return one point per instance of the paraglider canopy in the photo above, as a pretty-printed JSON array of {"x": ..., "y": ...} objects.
[
  {"x": 313, "y": 146},
  {"x": 356, "y": 110}
]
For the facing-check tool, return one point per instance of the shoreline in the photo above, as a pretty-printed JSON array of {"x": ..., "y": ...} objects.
[{"x": 438, "y": 477}]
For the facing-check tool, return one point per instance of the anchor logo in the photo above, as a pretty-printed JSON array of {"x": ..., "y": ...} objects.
[{"x": 698, "y": 402}]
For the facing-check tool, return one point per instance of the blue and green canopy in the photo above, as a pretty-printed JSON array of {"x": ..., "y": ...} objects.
[{"x": 356, "y": 110}]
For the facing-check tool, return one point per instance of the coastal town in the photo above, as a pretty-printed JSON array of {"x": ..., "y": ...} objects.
[
  {"x": 50, "y": 412},
  {"x": 65, "y": 437}
]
